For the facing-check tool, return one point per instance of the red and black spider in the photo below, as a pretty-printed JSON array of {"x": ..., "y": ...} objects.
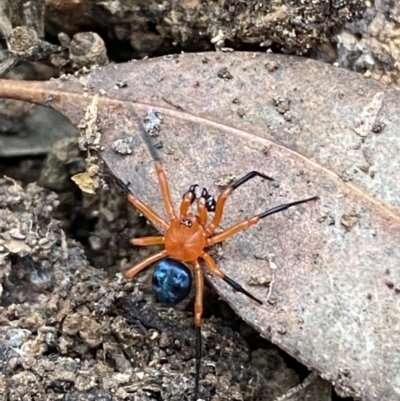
[{"x": 186, "y": 239}]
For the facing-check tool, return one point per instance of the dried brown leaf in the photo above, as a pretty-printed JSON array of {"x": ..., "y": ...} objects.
[{"x": 317, "y": 130}]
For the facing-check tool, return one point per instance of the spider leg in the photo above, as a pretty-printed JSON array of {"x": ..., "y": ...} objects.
[
  {"x": 212, "y": 266},
  {"x": 140, "y": 266},
  {"x": 254, "y": 220},
  {"x": 162, "y": 179},
  {"x": 198, "y": 303},
  {"x": 146, "y": 241},
  {"x": 148, "y": 212},
  {"x": 198, "y": 311},
  {"x": 219, "y": 208},
  {"x": 142, "y": 207},
  {"x": 198, "y": 363}
]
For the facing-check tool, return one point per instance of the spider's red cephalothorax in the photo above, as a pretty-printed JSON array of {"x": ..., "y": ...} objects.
[{"x": 185, "y": 239}]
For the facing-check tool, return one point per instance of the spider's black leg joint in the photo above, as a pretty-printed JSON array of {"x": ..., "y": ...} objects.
[
  {"x": 198, "y": 363},
  {"x": 209, "y": 200},
  {"x": 239, "y": 288},
  {"x": 118, "y": 181},
  {"x": 123, "y": 185},
  {"x": 192, "y": 192},
  {"x": 248, "y": 177},
  {"x": 285, "y": 206}
]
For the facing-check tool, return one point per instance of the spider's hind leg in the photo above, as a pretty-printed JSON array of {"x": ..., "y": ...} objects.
[
  {"x": 198, "y": 311},
  {"x": 212, "y": 266}
]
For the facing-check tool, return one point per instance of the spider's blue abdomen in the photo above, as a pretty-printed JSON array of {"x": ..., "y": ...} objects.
[{"x": 172, "y": 281}]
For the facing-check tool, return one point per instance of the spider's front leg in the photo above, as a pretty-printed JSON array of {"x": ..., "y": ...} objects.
[
  {"x": 142, "y": 207},
  {"x": 219, "y": 207},
  {"x": 162, "y": 179}
]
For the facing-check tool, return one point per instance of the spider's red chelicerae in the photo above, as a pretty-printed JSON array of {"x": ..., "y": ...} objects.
[{"x": 186, "y": 239}]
